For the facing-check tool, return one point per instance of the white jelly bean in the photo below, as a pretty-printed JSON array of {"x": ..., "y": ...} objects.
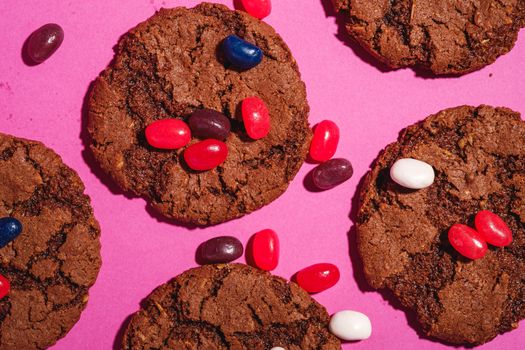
[
  {"x": 412, "y": 173},
  {"x": 278, "y": 348},
  {"x": 350, "y": 325}
]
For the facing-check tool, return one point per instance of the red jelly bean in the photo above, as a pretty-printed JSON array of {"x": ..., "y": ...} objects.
[
  {"x": 318, "y": 277},
  {"x": 206, "y": 155},
  {"x": 265, "y": 249},
  {"x": 168, "y": 134},
  {"x": 256, "y": 117},
  {"x": 257, "y": 8},
  {"x": 467, "y": 241},
  {"x": 5, "y": 286},
  {"x": 325, "y": 140},
  {"x": 493, "y": 229}
]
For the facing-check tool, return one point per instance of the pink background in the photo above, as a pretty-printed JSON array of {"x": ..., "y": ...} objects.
[{"x": 141, "y": 250}]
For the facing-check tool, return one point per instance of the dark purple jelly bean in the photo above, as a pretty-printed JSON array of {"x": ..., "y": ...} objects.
[
  {"x": 219, "y": 250},
  {"x": 209, "y": 124},
  {"x": 332, "y": 173},
  {"x": 44, "y": 41}
]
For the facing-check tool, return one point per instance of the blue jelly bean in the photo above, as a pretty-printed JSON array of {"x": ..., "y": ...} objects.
[
  {"x": 10, "y": 228},
  {"x": 240, "y": 53}
]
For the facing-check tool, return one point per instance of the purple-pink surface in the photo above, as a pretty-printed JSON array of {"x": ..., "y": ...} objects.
[{"x": 140, "y": 250}]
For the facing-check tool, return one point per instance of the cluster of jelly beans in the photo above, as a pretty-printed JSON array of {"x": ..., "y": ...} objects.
[
  {"x": 471, "y": 243},
  {"x": 490, "y": 228},
  {"x": 211, "y": 126},
  {"x": 43, "y": 42},
  {"x": 174, "y": 133},
  {"x": 10, "y": 228},
  {"x": 264, "y": 254},
  {"x": 332, "y": 171}
]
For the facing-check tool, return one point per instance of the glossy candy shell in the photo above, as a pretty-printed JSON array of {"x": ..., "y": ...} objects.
[
  {"x": 218, "y": 250},
  {"x": 256, "y": 117},
  {"x": 265, "y": 250},
  {"x": 467, "y": 241},
  {"x": 240, "y": 53},
  {"x": 412, "y": 173},
  {"x": 168, "y": 134},
  {"x": 257, "y": 8},
  {"x": 44, "y": 41},
  {"x": 325, "y": 141},
  {"x": 493, "y": 229},
  {"x": 332, "y": 173},
  {"x": 206, "y": 155},
  {"x": 5, "y": 286},
  {"x": 10, "y": 228},
  {"x": 350, "y": 325},
  {"x": 318, "y": 277},
  {"x": 209, "y": 124}
]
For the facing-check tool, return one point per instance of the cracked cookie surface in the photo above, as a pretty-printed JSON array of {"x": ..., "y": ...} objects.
[
  {"x": 56, "y": 258},
  {"x": 230, "y": 306},
  {"x": 478, "y": 155},
  {"x": 171, "y": 65},
  {"x": 447, "y": 37}
]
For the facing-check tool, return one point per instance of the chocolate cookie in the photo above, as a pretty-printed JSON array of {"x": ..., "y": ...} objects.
[
  {"x": 478, "y": 155},
  {"x": 447, "y": 37},
  {"x": 172, "y": 65},
  {"x": 229, "y": 306},
  {"x": 56, "y": 257}
]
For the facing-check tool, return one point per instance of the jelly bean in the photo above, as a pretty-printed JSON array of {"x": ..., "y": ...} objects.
[
  {"x": 467, "y": 241},
  {"x": 257, "y": 8},
  {"x": 44, "y": 41},
  {"x": 10, "y": 228},
  {"x": 209, "y": 124},
  {"x": 168, "y": 134},
  {"x": 277, "y": 348},
  {"x": 256, "y": 117},
  {"x": 240, "y": 53},
  {"x": 220, "y": 250},
  {"x": 350, "y": 325},
  {"x": 325, "y": 140},
  {"x": 265, "y": 250},
  {"x": 332, "y": 173},
  {"x": 412, "y": 173},
  {"x": 318, "y": 277},
  {"x": 5, "y": 286},
  {"x": 206, "y": 155},
  {"x": 493, "y": 229}
]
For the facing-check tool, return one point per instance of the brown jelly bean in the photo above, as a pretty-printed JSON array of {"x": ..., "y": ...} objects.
[
  {"x": 332, "y": 173},
  {"x": 219, "y": 250},
  {"x": 44, "y": 41},
  {"x": 209, "y": 124}
]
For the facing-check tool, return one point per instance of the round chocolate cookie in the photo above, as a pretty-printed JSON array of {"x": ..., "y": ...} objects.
[
  {"x": 447, "y": 37},
  {"x": 56, "y": 257},
  {"x": 230, "y": 306},
  {"x": 168, "y": 67},
  {"x": 478, "y": 155}
]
